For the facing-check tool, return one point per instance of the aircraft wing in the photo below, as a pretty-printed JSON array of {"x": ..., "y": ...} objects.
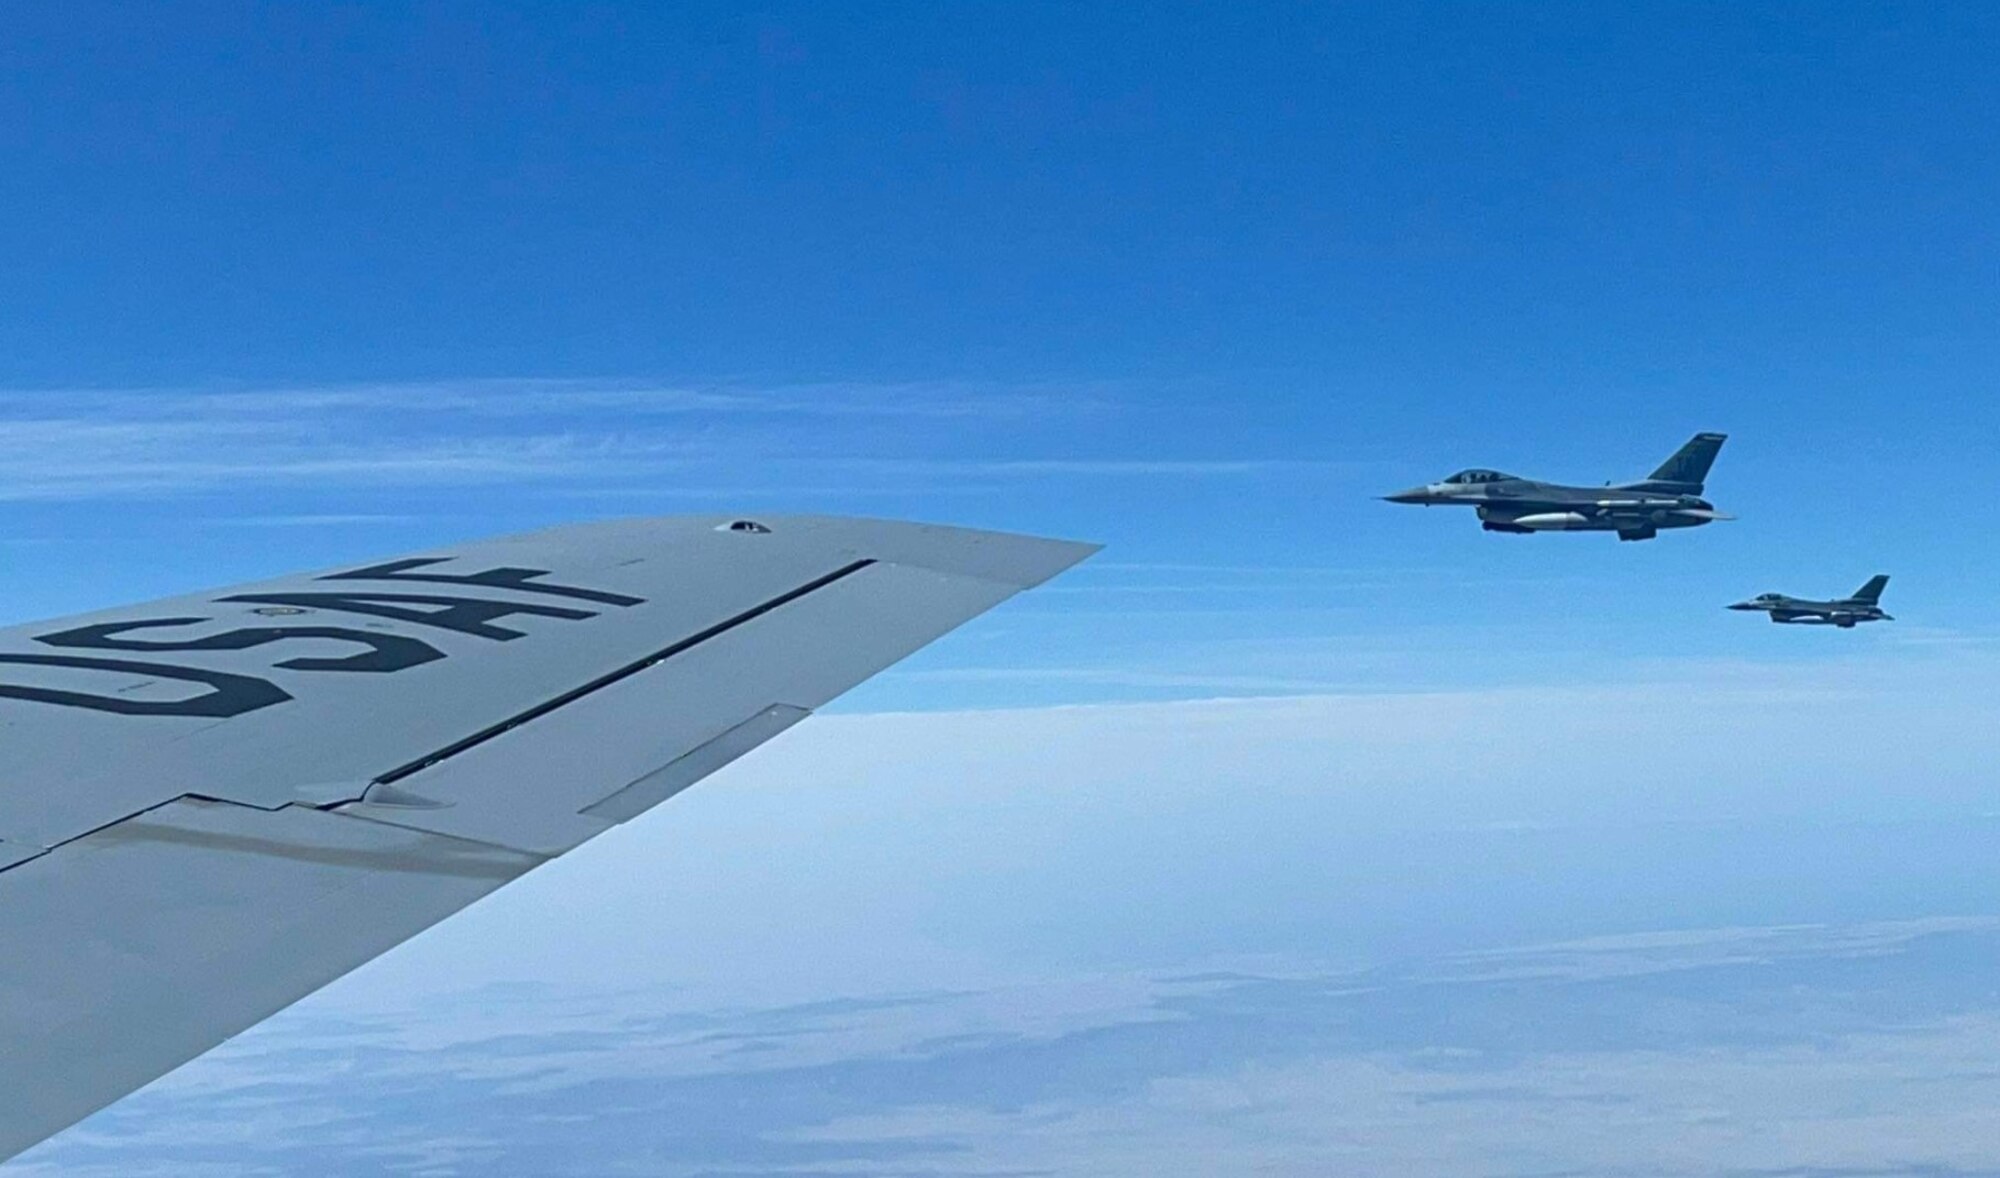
[{"x": 212, "y": 806}]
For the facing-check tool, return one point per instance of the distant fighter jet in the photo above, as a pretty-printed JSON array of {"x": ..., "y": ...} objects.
[
  {"x": 1670, "y": 497},
  {"x": 1845, "y": 612}
]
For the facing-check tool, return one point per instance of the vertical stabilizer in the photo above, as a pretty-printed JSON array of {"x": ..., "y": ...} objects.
[
  {"x": 1689, "y": 466},
  {"x": 1872, "y": 591}
]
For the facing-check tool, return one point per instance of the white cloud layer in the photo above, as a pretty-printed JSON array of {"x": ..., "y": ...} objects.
[
  {"x": 97, "y": 444},
  {"x": 1806, "y": 1052},
  {"x": 1680, "y": 927}
]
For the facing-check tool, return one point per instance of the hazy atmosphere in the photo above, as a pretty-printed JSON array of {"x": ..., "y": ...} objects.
[{"x": 1296, "y": 833}]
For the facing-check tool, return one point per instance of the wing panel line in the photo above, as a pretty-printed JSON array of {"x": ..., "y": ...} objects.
[{"x": 625, "y": 672}]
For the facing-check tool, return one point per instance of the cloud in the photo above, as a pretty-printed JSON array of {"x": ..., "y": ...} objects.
[
  {"x": 74, "y": 458},
  {"x": 616, "y": 435},
  {"x": 1687, "y": 743},
  {"x": 329, "y": 520},
  {"x": 944, "y": 850},
  {"x": 1685, "y": 1066},
  {"x": 1029, "y": 467},
  {"x": 521, "y": 397},
  {"x": 1478, "y": 932}
]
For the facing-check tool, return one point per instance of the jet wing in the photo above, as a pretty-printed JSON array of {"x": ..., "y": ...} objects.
[{"x": 212, "y": 806}]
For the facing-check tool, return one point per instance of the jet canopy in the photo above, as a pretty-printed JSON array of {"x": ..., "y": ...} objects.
[{"x": 1466, "y": 478}]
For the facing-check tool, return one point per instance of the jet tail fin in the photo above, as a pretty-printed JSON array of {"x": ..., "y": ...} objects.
[
  {"x": 1688, "y": 467},
  {"x": 1872, "y": 591}
]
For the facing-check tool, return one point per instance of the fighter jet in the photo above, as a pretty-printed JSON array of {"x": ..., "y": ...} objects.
[
  {"x": 1670, "y": 497},
  {"x": 1845, "y": 612}
]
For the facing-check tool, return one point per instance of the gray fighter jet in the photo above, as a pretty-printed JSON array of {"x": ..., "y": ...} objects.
[
  {"x": 1845, "y": 612},
  {"x": 1670, "y": 497}
]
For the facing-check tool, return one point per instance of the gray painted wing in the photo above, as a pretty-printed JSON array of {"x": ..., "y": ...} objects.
[{"x": 211, "y": 806}]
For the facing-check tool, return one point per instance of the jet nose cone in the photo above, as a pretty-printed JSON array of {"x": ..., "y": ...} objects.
[
  {"x": 1413, "y": 495},
  {"x": 1744, "y": 605}
]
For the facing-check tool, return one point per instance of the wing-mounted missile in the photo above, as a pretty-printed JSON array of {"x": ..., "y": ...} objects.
[
  {"x": 1554, "y": 521},
  {"x": 1682, "y": 510},
  {"x": 1625, "y": 519}
]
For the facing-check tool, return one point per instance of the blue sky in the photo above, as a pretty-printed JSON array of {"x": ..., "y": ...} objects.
[
  {"x": 284, "y": 286},
  {"x": 1193, "y": 280}
]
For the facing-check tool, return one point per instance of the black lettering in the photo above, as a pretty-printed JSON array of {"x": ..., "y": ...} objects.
[
  {"x": 501, "y": 578},
  {"x": 229, "y": 695},
  {"x": 388, "y": 652},
  {"x": 467, "y": 615}
]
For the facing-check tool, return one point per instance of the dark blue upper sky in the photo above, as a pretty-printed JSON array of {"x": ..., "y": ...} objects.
[{"x": 1521, "y": 199}]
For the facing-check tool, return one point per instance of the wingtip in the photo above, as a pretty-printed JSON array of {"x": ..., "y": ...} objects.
[
  {"x": 1011, "y": 558},
  {"x": 1049, "y": 559}
]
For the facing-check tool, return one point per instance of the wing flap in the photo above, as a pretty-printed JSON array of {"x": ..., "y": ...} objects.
[{"x": 690, "y": 767}]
